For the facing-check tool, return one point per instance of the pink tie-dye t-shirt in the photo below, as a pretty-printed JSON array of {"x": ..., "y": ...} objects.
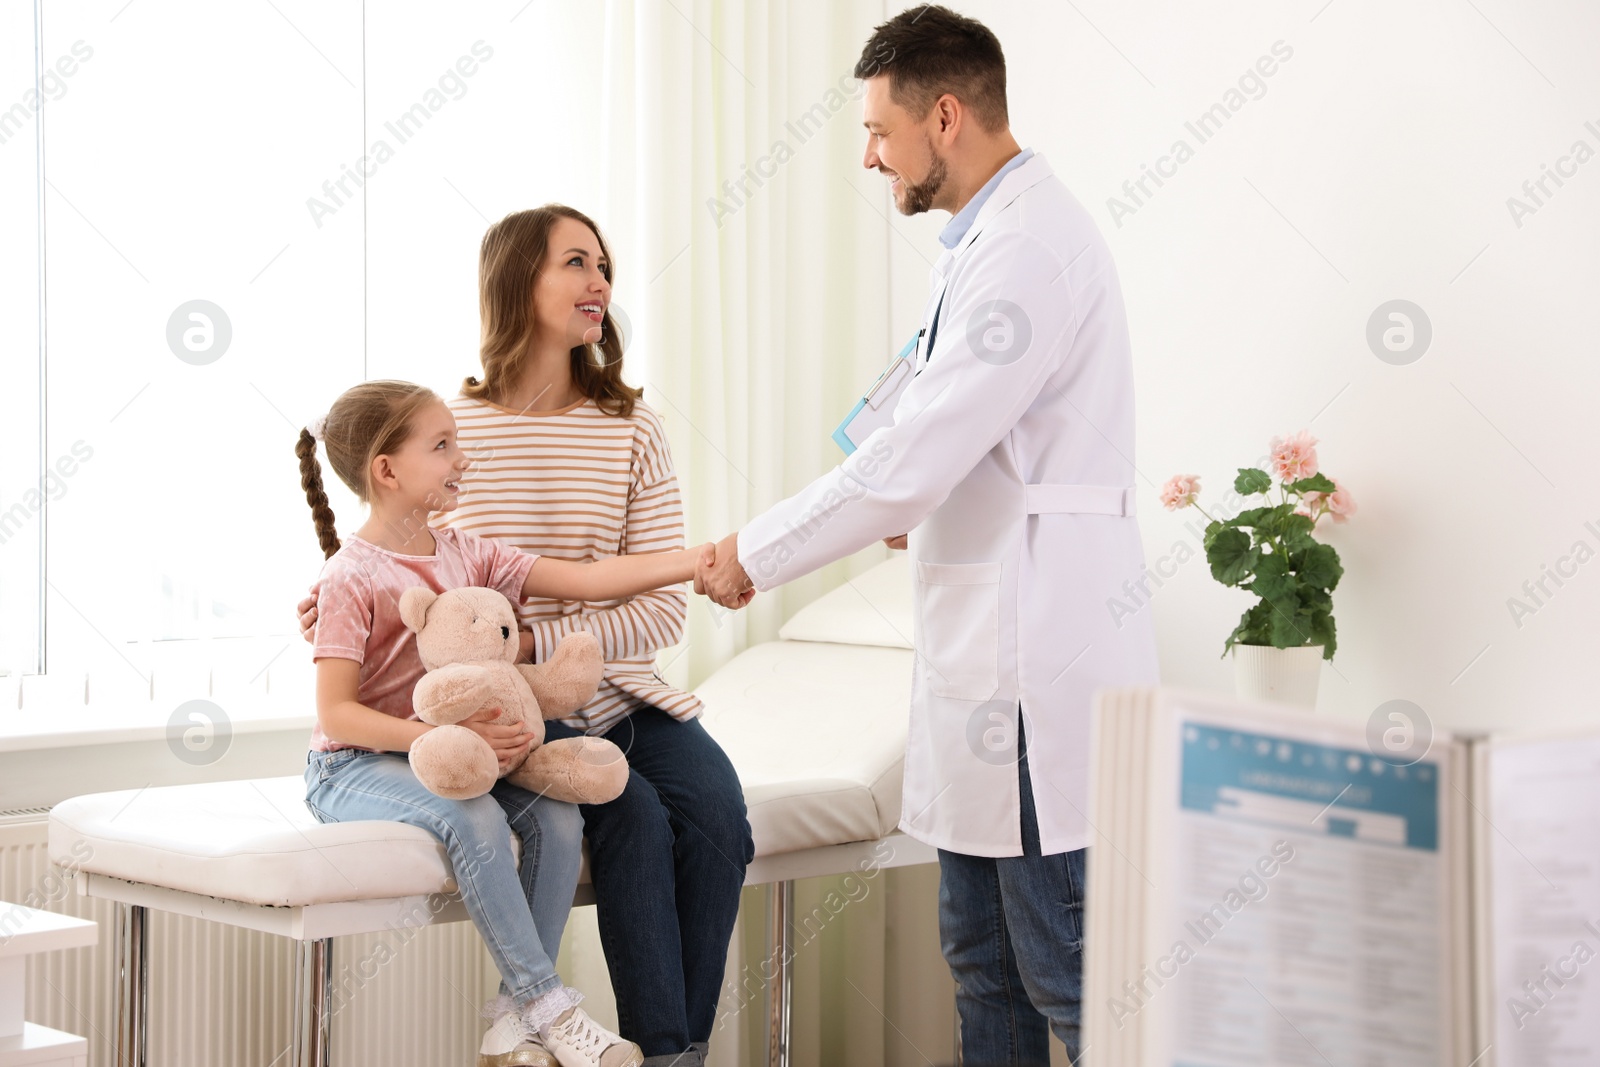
[{"x": 358, "y": 609}]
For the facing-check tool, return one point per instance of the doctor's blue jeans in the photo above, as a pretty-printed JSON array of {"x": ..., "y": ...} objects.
[{"x": 1012, "y": 932}]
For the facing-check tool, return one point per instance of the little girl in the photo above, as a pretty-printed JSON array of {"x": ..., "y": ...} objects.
[{"x": 394, "y": 445}]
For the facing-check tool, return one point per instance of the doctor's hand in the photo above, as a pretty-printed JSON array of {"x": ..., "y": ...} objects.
[
  {"x": 898, "y": 541},
  {"x": 718, "y": 575}
]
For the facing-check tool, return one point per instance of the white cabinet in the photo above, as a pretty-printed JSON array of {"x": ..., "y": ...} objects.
[{"x": 24, "y": 932}]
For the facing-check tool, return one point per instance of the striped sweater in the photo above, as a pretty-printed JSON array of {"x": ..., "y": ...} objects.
[{"x": 579, "y": 484}]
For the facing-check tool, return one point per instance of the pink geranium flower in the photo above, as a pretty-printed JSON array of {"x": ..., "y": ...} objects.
[
  {"x": 1180, "y": 491},
  {"x": 1339, "y": 503},
  {"x": 1294, "y": 457}
]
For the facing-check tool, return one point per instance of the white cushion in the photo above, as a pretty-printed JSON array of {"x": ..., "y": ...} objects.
[
  {"x": 252, "y": 841},
  {"x": 816, "y": 731},
  {"x": 871, "y": 609},
  {"x": 818, "y": 735}
]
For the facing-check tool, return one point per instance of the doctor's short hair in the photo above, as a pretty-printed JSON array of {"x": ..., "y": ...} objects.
[{"x": 929, "y": 51}]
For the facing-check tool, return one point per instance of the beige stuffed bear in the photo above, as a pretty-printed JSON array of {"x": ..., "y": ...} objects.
[{"x": 467, "y": 639}]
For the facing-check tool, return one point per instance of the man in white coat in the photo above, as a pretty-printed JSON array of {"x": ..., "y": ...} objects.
[{"x": 1010, "y": 464}]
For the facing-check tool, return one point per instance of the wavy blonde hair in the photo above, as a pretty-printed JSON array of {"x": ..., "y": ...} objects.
[{"x": 509, "y": 263}]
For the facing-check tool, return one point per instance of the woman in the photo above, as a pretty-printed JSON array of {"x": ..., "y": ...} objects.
[{"x": 569, "y": 462}]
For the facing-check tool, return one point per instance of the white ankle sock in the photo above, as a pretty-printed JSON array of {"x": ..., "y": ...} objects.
[{"x": 542, "y": 1011}]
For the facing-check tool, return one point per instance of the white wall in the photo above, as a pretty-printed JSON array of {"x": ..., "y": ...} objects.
[{"x": 1376, "y": 164}]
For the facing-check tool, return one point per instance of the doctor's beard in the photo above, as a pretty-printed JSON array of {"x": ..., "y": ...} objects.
[{"x": 918, "y": 198}]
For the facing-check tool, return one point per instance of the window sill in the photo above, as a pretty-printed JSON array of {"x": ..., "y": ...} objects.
[
  {"x": 193, "y": 695},
  {"x": 102, "y": 725}
]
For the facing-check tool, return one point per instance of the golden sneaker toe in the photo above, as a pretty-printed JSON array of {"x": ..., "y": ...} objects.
[
  {"x": 509, "y": 1043},
  {"x": 576, "y": 1040}
]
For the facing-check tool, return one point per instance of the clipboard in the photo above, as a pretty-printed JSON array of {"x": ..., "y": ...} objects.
[{"x": 875, "y": 409}]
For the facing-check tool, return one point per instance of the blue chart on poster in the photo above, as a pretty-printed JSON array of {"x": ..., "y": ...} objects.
[{"x": 1309, "y": 787}]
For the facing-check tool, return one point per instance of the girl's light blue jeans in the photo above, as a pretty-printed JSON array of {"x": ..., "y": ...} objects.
[{"x": 520, "y": 912}]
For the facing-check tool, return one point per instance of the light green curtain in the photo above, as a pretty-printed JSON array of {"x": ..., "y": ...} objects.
[
  {"x": 760, "y": 291},
  {"x": 757, "y": 291}
]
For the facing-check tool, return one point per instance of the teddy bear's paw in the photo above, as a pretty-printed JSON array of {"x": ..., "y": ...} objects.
[
  {"x": 578, "y": 770},
  {"x": 454, "y": 762},
  {"x": 446, "y": 695},
  {"x": 569, "y": 678}
]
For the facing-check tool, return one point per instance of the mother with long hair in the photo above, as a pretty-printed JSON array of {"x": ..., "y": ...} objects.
[{"x": 569, "y": 462}]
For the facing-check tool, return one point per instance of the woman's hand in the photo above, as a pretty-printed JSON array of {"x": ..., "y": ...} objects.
[
  {"x": 703, "y": 563},
  {"x": 510, "y": 743},
  {"x": 898, "y": 541},
  {"x": 307, "y": 611}
]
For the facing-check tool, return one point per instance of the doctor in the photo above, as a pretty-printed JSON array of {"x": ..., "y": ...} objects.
[{"x": 1010, "y": 464}]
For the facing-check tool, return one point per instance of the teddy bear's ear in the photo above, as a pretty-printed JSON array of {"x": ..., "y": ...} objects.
[{"x": 414, "y": 605}]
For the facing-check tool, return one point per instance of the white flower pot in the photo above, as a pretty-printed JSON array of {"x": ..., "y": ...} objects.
[{"x": 1278, "y": 675}]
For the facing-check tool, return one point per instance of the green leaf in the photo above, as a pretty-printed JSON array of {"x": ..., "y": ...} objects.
[
  {"x": 1288, "y": 631},
  {"x": 1247, "y": 517},
  {"x": 1317, "y": 483},
  {"x": 1280, "y": 520},
  {"x": 1253, "y": 628},
  {"x": 1273, "y": 581},
  {"x": 1313, "y": 600},
  {"x": 1231, "y": 556},
  {"x": 1297, "y": 540},
  {"x": 1320, "y": 567},
  {"x": 1322, "y": 630},
  {"x": 1295, "y": 528},
  {"x": 1252, "y": 480},
  {"x": 1212, "y": 529}
]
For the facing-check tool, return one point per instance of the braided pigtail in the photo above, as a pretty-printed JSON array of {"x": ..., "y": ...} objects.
[
  {"x": 316, "y": 496},
  {"x": 367, "y": 421}
]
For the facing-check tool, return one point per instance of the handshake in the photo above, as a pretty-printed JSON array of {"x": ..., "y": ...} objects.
[{"x": 718, "y": 575}]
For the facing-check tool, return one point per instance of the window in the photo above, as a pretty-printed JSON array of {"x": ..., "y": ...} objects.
[
  {"x": 22, "y": 497},
  {"x": 239, "y": 212}
]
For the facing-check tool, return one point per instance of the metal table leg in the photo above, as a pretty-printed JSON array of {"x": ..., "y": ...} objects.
[
  {"x": 313, "y": 989},
  {"x": 780, "y": 905},
  {"x": 133, "y": 1008}
]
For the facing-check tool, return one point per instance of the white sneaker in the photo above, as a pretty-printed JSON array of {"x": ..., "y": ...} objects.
[
  {"x": 579, "y": 1041},
  {"x": 510, "y": 1042}
]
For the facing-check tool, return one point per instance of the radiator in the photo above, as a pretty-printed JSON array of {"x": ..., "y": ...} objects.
[{"x": 223, "y": 996}]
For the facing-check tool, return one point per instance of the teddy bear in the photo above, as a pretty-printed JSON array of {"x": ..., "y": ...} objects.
[{"x": 467, "y": 639}]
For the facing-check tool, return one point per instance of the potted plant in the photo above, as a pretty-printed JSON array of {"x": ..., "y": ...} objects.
[{"x": 1270, "y": 552}]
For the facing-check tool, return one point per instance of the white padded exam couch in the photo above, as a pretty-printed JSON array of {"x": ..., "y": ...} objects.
[{"x": 815, "y": 723}]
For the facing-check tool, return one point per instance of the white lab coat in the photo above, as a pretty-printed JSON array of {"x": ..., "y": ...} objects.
[{"x": 1010, "y": 464}]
